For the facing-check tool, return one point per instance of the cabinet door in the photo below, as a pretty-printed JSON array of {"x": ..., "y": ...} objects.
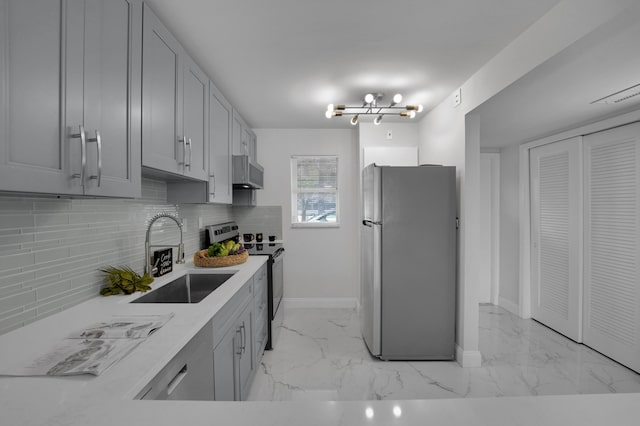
[
  {"x": 253, "y": 146},
  {"x": 161, "y": 96},
  {"x": 195, "y": 119},
  {"x": 245, "y": 367},
  {"x": 240, "y": 146},
  {"x": 224, "y": 366},
  {"x": 220, "y": 147},
  {"x": 112, "y": 96},
  {"x": 35, "y": 144}
]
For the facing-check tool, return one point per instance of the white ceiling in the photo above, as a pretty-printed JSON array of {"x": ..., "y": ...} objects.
[
  {"x": 557, "y": 95},
  {"x": 280, "y": 62}
]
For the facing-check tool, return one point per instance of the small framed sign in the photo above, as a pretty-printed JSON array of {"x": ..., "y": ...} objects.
[{"x": 163, "y": 260}]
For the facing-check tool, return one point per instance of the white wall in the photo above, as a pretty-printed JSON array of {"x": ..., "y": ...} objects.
[
  {"x": 445, "y": 139},
  {"x": 509, "y": 227},
  {"x": 321, "y": 265}
]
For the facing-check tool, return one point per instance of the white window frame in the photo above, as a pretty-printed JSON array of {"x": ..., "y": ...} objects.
[{"x": 295, "y": 191}]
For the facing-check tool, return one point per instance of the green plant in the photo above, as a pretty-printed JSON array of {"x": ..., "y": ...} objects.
[{"x": 125, "y": 280}]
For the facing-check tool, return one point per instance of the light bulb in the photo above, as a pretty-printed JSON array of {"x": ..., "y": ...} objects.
[
  {"x": 397, "y": 98},
  {"x": 354, "y": 120},
  {"x": 330, "y": 107},
  {"x": 420, "y": 108},
  {"x": 412, "y": 114},
  {"x": 368, "y": 98},
  {"x": 328, "y": 114},
  {"x": 377, "y": 120}
]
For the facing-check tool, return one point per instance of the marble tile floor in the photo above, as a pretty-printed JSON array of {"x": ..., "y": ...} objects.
[{"x": 320, "y": 355}]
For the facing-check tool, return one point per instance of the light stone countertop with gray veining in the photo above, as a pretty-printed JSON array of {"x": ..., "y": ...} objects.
[{"x": 108, "y": 399}]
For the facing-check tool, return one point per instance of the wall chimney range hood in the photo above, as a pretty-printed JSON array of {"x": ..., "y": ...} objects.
[{"x": 246, "y": 173}]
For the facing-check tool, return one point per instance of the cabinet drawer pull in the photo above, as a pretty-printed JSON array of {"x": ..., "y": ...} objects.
[{"x": 173, "y": 384}]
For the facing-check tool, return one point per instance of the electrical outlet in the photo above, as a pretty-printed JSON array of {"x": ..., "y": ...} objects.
[
  {"x": 457, "y": 98},
  {"x": 389, "y": 134}
]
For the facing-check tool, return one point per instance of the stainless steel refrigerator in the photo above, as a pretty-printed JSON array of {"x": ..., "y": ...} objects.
[{"x": 408, "y": 262}]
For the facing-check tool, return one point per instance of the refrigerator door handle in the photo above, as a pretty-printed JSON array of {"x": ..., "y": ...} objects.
[{"x": 370, "y": 223}]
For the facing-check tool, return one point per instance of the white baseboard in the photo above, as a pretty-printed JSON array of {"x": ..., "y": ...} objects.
[
  {"x": 468, "y": 358},
  {"x": 318, "y": 302},
  {"x": 509, "y": 306}
]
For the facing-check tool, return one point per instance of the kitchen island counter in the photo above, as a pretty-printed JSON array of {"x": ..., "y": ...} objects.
[{"x": 109, "y": 398}]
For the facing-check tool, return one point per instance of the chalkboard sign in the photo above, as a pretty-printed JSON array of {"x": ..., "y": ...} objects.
[{"x": 163, "y": 260}]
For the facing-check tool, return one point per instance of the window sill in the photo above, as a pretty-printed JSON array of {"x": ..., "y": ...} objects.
[{"x": 315, "y": 225}]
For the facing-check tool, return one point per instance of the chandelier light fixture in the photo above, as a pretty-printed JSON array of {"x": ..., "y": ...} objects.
[{"x": 372, "y": 105}]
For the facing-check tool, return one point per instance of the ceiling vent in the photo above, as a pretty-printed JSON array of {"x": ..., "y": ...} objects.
[{"x": 621, "y": 96}]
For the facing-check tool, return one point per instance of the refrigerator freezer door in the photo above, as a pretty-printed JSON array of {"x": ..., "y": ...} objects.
[
  {"x": 370, "y": 287},
  {"x": 418, "y": 258},
  {"x": 371, "y": 193}
]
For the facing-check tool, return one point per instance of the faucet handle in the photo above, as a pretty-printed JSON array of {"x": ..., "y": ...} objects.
[{"x": 180, "y": 258}]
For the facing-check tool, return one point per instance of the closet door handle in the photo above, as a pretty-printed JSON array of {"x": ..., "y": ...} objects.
[
  {"x": 98, "y": 141},
  {"x": 83, "y": 153}
]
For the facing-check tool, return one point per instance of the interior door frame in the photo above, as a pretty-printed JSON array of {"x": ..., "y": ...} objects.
[
  {"x": 494, "y": 161},
  {"x": 524, "y": 285}
]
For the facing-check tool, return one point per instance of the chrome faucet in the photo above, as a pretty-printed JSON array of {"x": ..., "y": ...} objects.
[{"x": 147, "y": 246}]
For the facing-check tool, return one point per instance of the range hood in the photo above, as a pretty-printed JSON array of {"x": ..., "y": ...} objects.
[{"x": 246, "y": 173}]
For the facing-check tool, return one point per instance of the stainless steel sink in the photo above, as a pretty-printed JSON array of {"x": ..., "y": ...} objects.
[{"x": 190, "y": 288}]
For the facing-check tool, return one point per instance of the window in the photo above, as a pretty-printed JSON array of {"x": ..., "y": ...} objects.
[{"x": 314, "y": 191}]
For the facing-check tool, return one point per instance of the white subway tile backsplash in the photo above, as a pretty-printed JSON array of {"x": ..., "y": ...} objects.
[
  {"x": 15, "y": 221},
  {"x": 17, "y": 320},
  {"x": 51, "y": 249},
  {"x": 18, "y": 299}
]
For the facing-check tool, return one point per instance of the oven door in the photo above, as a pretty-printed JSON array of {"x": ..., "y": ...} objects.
[
  {"x": 278, "y": 280},
  {"x": 277, "y": 285}
]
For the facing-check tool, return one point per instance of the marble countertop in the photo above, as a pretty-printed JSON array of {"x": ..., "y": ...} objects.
[{"x": 108, "y": 399}]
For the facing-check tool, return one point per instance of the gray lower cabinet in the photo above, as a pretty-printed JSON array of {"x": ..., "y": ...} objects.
[
  {"x": 233, "y": 362},
  {"x": 70, "y": 80},
  {"x": 175, "y": 99},
  {"x": 189, "y": 375}
]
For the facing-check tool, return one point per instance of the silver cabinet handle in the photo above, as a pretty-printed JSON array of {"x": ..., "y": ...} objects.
[
  {"x": 213, "y": 186},
  {"x": 188, "y": 143},
  {"x": 98, "y": 141},
  {"x": 183, "y": 141},
  {"x": 239, "y": 350},
  {"x": 244, "y": 337},
  {"x": 173, "y": 384},
  {"x": 83, "y": 153}
]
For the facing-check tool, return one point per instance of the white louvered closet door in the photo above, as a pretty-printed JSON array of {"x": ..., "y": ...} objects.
[
  {"x": 556, "y": 236},
  {"x": 612, "y": 233}
]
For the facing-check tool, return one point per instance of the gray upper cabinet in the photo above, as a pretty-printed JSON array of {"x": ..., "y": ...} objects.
[
  {"x": 196, "y": 120},
  {"x": 220, "y": 178},
  {"x": 174, "y": 104},
  {"x": 161, "y": 97},
  {"x": 70, "y": 88}
]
